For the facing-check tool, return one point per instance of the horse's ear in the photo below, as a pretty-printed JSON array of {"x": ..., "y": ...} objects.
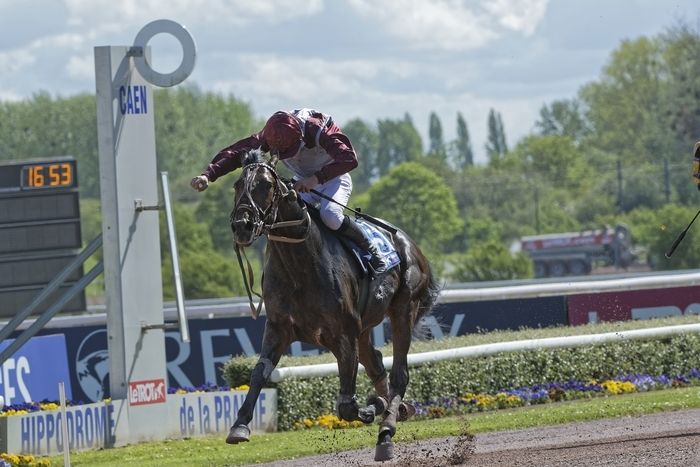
[{"x": 274, "y": 158}]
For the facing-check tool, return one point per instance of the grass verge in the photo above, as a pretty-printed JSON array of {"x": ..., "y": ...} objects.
[{"x": 212, "y": 451}]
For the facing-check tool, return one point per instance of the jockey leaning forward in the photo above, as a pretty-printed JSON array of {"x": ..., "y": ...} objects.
[{"x": 319, "y": 155}]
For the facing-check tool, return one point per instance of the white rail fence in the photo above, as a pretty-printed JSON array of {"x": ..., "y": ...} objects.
[
  {"x": 327, "y": 369},
  {"x": 570, "y": 288}
]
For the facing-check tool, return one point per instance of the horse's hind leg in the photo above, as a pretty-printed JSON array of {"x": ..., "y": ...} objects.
[
  {"x": 401, "y": 331},
  {"x": 274, "y": 343}
]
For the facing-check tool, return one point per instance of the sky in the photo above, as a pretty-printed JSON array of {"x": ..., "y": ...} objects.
[{"x": 368, "y": 59}]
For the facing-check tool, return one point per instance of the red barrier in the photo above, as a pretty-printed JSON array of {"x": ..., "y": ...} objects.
[{"x": 635, "y": 304}]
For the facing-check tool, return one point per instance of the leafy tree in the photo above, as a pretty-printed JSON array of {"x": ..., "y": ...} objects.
[
  {"x": 365, "y": 140},
  {"x": 656, "y": 230},
  {"x": 417, "y": 201},
  {"x": 555, "y": 159},
  {"x": 624, "y": 106},
  {"x": 563, "y": 118},
  {"x": 399, "y": 142},
  {"x": 437, "y": 143},
  {"x": 490, "y": 260},
  {"x": 496, "y": 140},
  {"x": 205, "y": 272},
  {"x": 214, "y": 211},
  {"x": 464, "y": 156}
]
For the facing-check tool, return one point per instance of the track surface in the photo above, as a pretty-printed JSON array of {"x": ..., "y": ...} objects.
[{"x": 664, "y": 439}]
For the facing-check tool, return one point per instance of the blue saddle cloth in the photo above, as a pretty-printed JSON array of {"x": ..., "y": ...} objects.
[{"x": 381, "y": 242}]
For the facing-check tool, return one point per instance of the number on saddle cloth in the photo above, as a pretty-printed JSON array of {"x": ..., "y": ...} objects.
[{"x": 384, "y": 247}]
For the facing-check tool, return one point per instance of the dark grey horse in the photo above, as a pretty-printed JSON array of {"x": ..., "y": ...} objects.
[{"x": 312, "y": 293}]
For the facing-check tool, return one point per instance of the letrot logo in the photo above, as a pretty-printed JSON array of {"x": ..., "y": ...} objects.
[
  {"x": 147, "y": 392},
  {"x": 92, "y": 365}
]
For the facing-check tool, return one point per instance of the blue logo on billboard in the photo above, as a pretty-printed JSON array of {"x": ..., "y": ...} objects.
[
  {"x": 34, "y": 371},
  {"x": 133, "y": 99},
  {"x": 92, "y": 365}
]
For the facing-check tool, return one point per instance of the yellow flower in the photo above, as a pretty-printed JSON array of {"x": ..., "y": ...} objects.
[
  {"x": 49, "y": 406},
  {"x": 242, "y": 387}
]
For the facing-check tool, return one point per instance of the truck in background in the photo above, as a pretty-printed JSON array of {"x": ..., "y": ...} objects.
[{"x": 577, "y": 253}]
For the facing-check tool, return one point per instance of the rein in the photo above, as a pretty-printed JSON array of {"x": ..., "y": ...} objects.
[{"x": 263, "y": 221}]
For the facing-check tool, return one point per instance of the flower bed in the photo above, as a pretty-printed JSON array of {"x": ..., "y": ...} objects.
[{"x": 520, "y": 397}]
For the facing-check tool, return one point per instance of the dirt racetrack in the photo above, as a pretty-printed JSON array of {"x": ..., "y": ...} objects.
[{"x": 665, "y": 439}]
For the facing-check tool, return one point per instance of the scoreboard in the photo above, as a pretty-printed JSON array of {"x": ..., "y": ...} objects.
[{"x": 39, "y": 231}]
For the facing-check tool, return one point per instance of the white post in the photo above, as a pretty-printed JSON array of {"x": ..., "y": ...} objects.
[{"x": 64, "y": 424}]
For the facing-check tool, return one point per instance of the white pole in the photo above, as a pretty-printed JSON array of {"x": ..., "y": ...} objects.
[{"x": 64, "y": 425}]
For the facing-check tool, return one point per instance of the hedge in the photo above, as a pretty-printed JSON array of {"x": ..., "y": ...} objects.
[{"x": 304, "y": 398}]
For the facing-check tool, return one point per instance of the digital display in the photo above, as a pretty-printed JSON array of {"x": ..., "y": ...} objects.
[
  {"x": 38, "y": 175},
  {"x": 48, "y": 175}
]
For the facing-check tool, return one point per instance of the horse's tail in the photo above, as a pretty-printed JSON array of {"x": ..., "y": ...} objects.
[{"x": 427, "y": 297}]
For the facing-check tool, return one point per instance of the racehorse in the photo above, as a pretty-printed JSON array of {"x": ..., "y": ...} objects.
[{"x": 312, "y": 290}]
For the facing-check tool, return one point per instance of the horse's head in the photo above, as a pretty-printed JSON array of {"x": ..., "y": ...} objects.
[{"x": 258, "y": 193}]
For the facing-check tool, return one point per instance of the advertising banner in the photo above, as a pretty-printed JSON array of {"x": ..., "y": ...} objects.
[
  {"x": 34, "y": 371},
  {"x": 99, "y": 425},
  {"x": 633, "y": 304}
]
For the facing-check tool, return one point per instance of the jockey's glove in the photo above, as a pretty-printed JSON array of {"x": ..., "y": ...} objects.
[{"x": 200, "y": 182}]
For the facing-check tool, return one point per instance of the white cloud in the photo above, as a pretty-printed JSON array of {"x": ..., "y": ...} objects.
[
  {"x": 16, "y": 60},
  {"x": 215, "y": 12},
  {"x": 302, "y": 78},
  {"x": 452, "y": 24},
  {"x": 518, "y": 15},
  {"x": 81, "y": 66}
]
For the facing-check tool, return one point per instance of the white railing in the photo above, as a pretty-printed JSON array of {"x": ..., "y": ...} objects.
[
  {"x": 327, "y": 369},
  {"x": 570, "y": 288}
]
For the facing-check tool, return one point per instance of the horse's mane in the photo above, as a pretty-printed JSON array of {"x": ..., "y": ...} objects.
[{"x": 253, "y": 157}]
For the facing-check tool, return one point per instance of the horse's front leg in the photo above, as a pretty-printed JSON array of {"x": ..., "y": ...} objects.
[
  {"x": 275, "y": 341},
  {"x": 346, "y": 352}
]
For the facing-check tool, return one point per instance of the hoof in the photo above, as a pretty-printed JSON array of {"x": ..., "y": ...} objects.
[
  {"x": 238, "y": 434},
  {"x": 366, "y": 414},
  {"x": 384, "y": 451},
  {"x": 349, "y": 411},
  {"x": 406, "y": 411},
  {"x": 380, "y": 405}
]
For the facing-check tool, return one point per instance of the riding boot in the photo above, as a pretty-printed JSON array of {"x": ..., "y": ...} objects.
[{"x": 352, "y": 231}]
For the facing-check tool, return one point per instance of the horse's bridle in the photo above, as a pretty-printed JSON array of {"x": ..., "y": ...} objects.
[{"x": 263, "y": 220}]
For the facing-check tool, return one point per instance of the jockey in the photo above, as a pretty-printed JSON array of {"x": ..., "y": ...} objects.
[{"x": 319, "y": 155}]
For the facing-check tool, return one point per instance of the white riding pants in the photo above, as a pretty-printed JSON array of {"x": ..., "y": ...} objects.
[{"x": 338, "y": 188}]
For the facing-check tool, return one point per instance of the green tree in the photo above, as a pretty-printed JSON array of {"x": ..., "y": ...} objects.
[
  {"x": 490, "y": 260},
  {"x": 399, "y": 142},
  {"x": 463, "y": 154},
  {"x": 437, "y": 142},
  {"x": 365, "y": 140},
  {"x": 496, "y": 145},
  {"x": 205, "y": 272},
  {"x": 417, "y": 201},
  {"x": 625, "y": 107},
  {"x": 563, "y": 118},
  {"x": 214, "y": 211}
]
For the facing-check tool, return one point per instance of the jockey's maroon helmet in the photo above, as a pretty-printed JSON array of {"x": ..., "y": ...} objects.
[{"x": 283, "y": 134}]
